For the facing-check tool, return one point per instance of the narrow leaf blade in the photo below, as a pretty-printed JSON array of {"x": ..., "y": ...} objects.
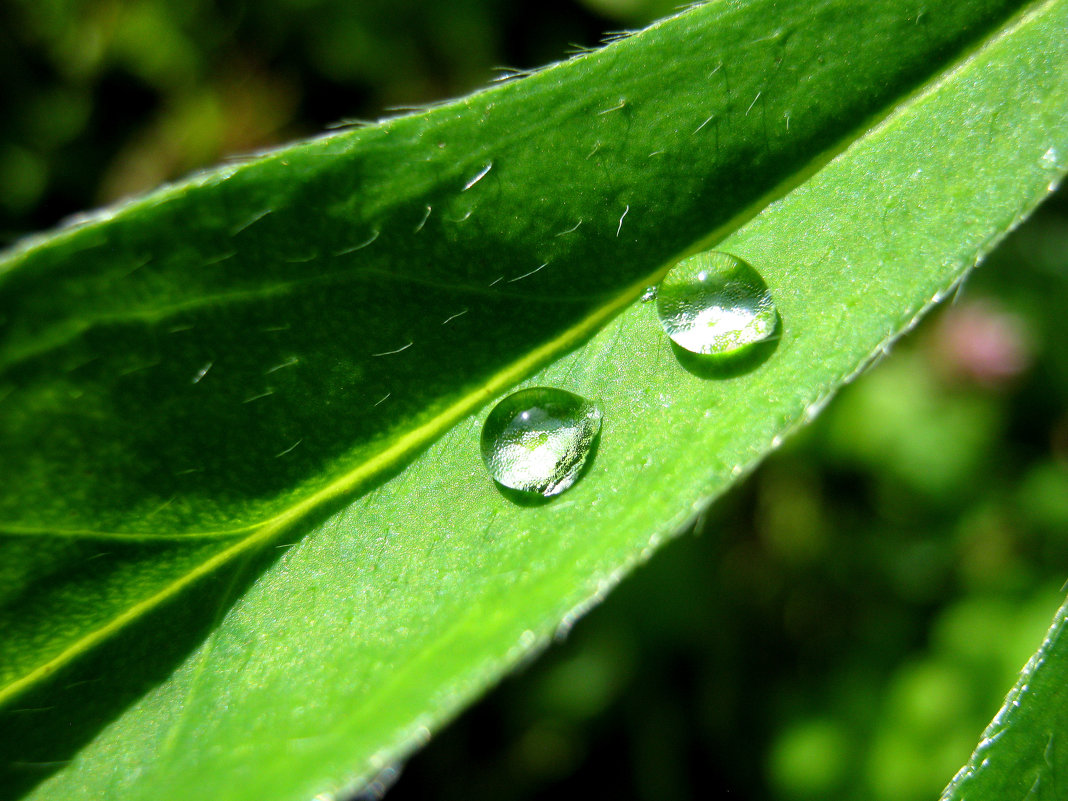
[{"x": 380, "y": 621}]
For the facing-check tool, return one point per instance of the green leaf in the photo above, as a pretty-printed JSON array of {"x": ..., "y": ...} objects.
[
  {"x": 249, "y": 546},
  {"x": 1023, "y": 751}
]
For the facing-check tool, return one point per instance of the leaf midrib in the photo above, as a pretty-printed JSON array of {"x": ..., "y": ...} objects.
[
  {"x": 404, "y": 445},
  {"x": 265, "y": 532}
]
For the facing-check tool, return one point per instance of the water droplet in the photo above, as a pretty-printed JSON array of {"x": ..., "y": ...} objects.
[
  {"x": 538, "y": 440},
  {"x": 649, "y": 294},
  {"x": 715, "y": 304}
]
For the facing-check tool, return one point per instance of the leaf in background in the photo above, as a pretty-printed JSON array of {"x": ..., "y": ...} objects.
[
  {"x": 1023, "y": 751},
  {"x": 249, "y": 547}
]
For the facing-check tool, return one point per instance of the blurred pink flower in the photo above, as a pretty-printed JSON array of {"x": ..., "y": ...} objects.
[{"x": 980, "y": 342}]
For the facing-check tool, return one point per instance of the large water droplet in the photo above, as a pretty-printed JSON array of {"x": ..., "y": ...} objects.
[
  {"x": 715, "y": 304},
  {"x": 537, "y": 440}
]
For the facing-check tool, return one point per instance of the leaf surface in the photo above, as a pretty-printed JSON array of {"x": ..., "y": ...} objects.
[
  {"x": 250, "y": 550},
  {"x": 1023, "y": 753}
]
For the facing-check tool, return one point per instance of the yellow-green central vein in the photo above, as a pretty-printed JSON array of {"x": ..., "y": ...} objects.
[{"x": 512, "y": 374}]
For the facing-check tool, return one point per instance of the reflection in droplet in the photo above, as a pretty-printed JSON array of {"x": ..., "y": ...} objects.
[
  {"x": 715, "y": 304},
  {"x": 1052, "y": 159},
  {"x": 538, "y": 440}
]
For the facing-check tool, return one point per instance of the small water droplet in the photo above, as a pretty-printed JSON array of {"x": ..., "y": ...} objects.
[
  {"x": 649, "y": 294},
  {"x": 715, "y": 304},
  {"x": 537, "y": 440}
]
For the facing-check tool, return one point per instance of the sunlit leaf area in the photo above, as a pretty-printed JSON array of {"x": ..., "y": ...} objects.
[{"x": 842, "y": 624}]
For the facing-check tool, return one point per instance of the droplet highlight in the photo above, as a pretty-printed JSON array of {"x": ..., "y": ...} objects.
[
  {"x": 715, "y": 304},
  {"x": 538, "y": 440}
]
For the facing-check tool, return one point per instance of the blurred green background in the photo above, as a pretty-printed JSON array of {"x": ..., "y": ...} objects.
[{"x": 844, "y": 624}]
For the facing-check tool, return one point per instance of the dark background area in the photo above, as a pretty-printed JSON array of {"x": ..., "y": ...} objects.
[{"x": 842, "y": 626}]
